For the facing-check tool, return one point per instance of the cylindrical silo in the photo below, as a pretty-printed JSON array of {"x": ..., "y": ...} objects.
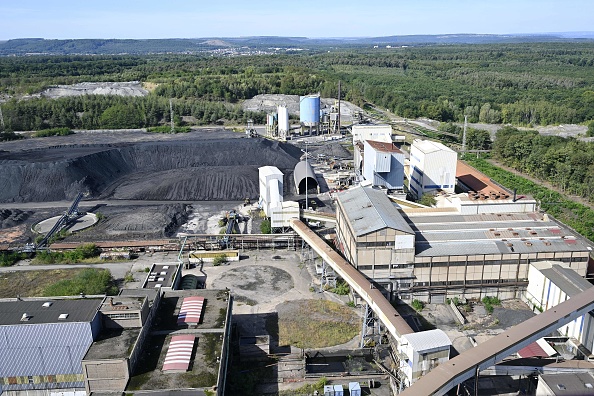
[
  {"x": 309, "y": 109},
  {"x": 283, "y": 119}
]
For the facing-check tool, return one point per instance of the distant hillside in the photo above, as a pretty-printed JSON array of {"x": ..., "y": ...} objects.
[{"x": 29, "y": 46}]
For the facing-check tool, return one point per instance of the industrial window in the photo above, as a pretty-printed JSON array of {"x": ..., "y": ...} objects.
[
  {"x": 364, "y": 267},
  {"x": 382, "y": 266},
  {"x": 123, "y": 316},
  {"x": 30, "y": 379}
]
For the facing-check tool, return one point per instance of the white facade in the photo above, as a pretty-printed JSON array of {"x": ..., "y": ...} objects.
[
  {"x": 271, "y": 188},
  {"x": 467, "y": 206},
  {"x": 281, "y": 215},
  {"x": 380, "y": 133},
  {"x": 432, "y": 167},
  {"x": 424, "y": 351},
  {"x": 550, "y": 284},
  {"x": 283, "y": 120},
  {"x": 383, "y": 165}
]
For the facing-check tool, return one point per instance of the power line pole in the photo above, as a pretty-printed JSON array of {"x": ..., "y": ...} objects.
[
  {"x": 338, "y": 116},
  {"x": 171, "y": 116},
  {"x": 1, "y": 119},
  {"x": 464, "y": 134}
]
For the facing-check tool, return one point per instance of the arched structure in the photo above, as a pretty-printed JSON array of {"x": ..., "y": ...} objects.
[{"x": 304, "y": 175}]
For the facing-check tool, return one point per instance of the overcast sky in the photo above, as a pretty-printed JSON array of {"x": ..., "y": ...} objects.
[{"x": 310, "y": 18}]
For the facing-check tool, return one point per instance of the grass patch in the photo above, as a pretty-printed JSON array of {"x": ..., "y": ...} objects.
[
  {"x": 308, "y": 389},
  {"x": 32, "y": 283},
  {"x": 316, "y": 324},
  {"x": 9, "y": 259},
  {"x": 87, "y": 281},
  {"x": 167, "y": 129},
  {"x": 80, "y": 254},
  {"x": 53, "y": 132}
]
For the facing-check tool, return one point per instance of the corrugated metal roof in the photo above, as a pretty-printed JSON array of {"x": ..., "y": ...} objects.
[
  {"x": 43, "y": 349},
  {"x": 78, "y": 310},
  {"x": 371, "y": 210},
  {"x": 427, "y": 340},
  {"x": 565, "y": 278}
]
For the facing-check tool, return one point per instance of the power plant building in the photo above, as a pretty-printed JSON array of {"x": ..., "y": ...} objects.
[
  {"x": 271, "y": 188},
  {"x": 439, "y": 253},
  {"x": 383, "y": 165},
  {"x": 432, "y": 167}
]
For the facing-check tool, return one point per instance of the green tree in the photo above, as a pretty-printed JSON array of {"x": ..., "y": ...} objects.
[
  {"x": 427, "y": 200},
  {"x": 590, "y": 132}
]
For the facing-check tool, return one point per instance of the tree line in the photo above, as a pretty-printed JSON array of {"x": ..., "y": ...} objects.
[
  {"x": 520, "y": 84},
  {"x": 566, "y": 163}
]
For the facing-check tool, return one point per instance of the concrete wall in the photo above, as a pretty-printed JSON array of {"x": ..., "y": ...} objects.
[{"x": 106, "y": 375}]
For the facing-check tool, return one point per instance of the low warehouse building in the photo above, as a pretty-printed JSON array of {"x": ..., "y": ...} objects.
[{"x": 42, "y": 342}]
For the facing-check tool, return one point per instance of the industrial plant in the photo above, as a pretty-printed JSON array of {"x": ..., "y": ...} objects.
[{"x": 308, "y": 207}]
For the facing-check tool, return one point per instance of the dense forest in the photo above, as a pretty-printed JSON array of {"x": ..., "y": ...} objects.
[
  {"x": 566, "y": 163},
  {"x": 520, "y": 84}
]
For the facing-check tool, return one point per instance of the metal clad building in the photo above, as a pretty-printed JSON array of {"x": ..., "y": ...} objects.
[
  {"x": 550, "y": 284},
  {"x": 433, "y": 167},
  {"x": 374, "y": 237},
  {"x": 379, "y": 133},
  {"x": 271, "y": 187},
  {"x": 383, "y": 164},
  {"x": 42, "y": 342}
]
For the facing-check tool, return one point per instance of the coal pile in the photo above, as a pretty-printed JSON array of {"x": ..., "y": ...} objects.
[
  {"x": 334, "y": 150},
  {"x": 207, "y": 169},
  {"x": 10, "y": 218}
]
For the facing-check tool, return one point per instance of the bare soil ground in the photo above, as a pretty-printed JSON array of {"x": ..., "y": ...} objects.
[{"x": 132, "y": 88}]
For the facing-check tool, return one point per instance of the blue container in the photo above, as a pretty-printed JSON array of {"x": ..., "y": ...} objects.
[{"x": 309, "y": 110}]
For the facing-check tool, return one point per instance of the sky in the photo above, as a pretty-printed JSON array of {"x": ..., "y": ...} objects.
[{"x": 138, "y": 19}]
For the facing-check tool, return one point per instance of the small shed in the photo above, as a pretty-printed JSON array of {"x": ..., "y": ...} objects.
[
  {"x": 354, "y": 389},
  {"x": 338, "y": 390}
]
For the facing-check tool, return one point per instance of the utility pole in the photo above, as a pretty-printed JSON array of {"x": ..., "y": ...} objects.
[
  {"x": 171, "y": 116},
  {"x": 464, "y": 135},
  {"x": 338, "y": 106},
  {"x": 1, "y": 119}
]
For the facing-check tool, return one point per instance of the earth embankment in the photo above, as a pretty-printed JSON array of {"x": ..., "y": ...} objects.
[{"x": 208, "y": 169}]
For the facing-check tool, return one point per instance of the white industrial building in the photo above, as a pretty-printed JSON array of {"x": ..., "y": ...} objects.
[
  {"x": 379, "y": 133},
  {"x": 432, "y": 167},
  {"x": 281, "y": 215},
  {"x": 271, "y": 188},
  {"x": 549, "y": 284},
  {"x": 422, "y": 352},
  {"x": 383, "y": 165}
]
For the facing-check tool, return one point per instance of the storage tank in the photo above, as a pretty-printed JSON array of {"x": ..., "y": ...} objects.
[
  {"x": 309, "y": 110},
  {"x": 283, "y": 119}
]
